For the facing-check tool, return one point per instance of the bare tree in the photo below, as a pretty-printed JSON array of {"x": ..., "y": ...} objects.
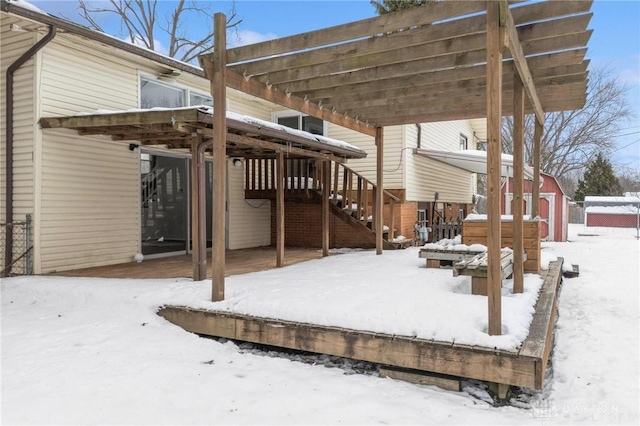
[
  {"x": 142, "y": 25},
  {"x": 388, "y": 6},
  {"x": 572, "y": 139}
]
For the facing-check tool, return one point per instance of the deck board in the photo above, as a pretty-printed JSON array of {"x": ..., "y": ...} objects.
[{"x": 241, "y": 261}]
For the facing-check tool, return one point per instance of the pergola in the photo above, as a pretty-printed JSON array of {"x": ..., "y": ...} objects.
[{"x": 447, "y": 60}]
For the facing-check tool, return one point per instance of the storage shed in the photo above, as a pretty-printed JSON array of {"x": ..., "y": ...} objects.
[
  {"x": 612, "y": 212},
  {"x": 554, "y": 206}
]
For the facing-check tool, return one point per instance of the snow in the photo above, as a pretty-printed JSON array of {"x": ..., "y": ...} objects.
[
  {"x": 454, "y": 244},
  {"x": 238, "y": 117},
  {"x": 504, "y": 217},
  {"x": 611, "y": 199},
  {"x": 93, "y": 351},
  {"x": 26, "y": 5},
  {"x": 612, "y": 210}
]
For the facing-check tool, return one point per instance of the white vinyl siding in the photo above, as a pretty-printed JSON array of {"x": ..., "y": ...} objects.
[
  {"x": 425, "y": 177},
  {"x": 249, "y": 220},
  {"x": 94, "y": 84},
  {"x": 12, "y": 45},
  {"x": 254, "y": 108},
  {"x": 394, "y": 155},
  {"x": 90, "y": 202}
]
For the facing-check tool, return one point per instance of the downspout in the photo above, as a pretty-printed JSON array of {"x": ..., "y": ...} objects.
[
  {"x": 419, "y": 136},
  {"x": 8, "y": 253}
]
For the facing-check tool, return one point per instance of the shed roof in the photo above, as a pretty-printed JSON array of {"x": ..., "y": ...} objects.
[{"x": 424, "y": 64}]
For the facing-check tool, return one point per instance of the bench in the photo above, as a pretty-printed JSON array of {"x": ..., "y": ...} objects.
[
  {"x": 433, "y": 256},
  {"x": 476, "y": 268}
]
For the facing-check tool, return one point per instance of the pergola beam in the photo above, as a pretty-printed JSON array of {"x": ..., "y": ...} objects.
[
  {"x": 521, "y": 64},
  {"x": 272, "y": 94},
  {"x": 364, "y": 28},
  {"x": 273, "y": 146}
]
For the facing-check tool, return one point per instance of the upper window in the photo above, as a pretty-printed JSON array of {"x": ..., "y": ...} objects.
[
  {"x": 295, "y": 120},
  {"x": 463, "y": 142},
  {"x": 159, "y": 94}
]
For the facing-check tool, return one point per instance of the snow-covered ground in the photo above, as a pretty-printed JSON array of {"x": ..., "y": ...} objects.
[{"x": 93, "y": 351}]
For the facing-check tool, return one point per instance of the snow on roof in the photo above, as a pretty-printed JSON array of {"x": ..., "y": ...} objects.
[
  {"x": 195, "y": 69},
  {"x": 628, "y": 209},
  {"x": 593, "y": 199},
  {"x": 238, "y": 117},
  {"x": 26, "y": 5}
]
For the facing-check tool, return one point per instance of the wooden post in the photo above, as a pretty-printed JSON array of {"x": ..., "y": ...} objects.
[
  {"x": 392, "y": 219},
  {"x": 494, "y": 150},
  {"x": 535, "y": 192},
  {"x": 198, "y": 211},
  {"x": 380, "y": 188},
  {"x": 219, "y": 93},
  {"x": 326, "y": 183},
  {"x": 280, "y": 210},
  {"x": 518, "y": 183}
]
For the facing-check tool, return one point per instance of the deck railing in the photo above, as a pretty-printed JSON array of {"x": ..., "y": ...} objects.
[{"x": 348, "y": 190}]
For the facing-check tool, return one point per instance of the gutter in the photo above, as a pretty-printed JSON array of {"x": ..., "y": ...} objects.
[
  {"x": 8, "y": 253},
  {"x": 79, "y": 30}
]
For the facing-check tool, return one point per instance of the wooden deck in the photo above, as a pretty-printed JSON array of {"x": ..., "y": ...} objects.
[
  {"x": 237, "y": 262},
  {"x": 525, "y": 367}
]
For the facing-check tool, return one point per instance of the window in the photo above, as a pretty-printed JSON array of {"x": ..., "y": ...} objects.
[
  {"x": 198, "y": 99},
  {"x": 298, "y": 121},
  {"x": 154, "y": 93},
  {"x": 463, "y": 141},
  {"x": 422, "y": 215}
]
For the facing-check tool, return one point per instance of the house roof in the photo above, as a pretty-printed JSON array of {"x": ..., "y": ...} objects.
[
  {"x": 424, "y": 64},
  {"x": 27, "y": 11},
  {"x": 175, "y": 128}
]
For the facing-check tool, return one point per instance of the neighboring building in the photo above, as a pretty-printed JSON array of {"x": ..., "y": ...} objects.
[
  {"x": 95, "y": 200},
  {"x": 554, "y": 206},
  {"x": 612, "y": 212}
]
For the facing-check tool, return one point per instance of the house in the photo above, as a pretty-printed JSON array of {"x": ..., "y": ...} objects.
[
  {"x": 554, "y": 206},
  {"x": 96, "y": 198},
  {"x": 611, "y": 211}
]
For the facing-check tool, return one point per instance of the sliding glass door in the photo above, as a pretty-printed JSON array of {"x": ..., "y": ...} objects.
[{"x": 165, "y": 203}]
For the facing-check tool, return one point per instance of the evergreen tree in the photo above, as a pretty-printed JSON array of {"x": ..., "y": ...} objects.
[
  {"x": 599, "y": 179},
  {"x": 388, "y": 6}
]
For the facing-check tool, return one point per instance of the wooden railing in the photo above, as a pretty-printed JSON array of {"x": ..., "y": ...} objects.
[
  {"x": 303, "y": 176},
  {"x": 349, "y": 190}
]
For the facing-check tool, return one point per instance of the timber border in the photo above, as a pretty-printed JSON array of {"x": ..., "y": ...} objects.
[{"x": 524, "y": 368}]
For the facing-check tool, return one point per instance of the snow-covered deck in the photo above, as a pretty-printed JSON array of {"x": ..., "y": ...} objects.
[{"x": 386, "y": 309}]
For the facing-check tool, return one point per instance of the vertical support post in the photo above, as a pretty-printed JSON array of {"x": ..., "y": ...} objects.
[
  {"x": 518, "y": 183},
  {"x": 219, "y": 93},
  {"x": 379, "y": 227},
  {"x": 198, "y": 212},
  {"x": 326, "y": 183},
  {"x": 535, "y": 191},
  {"x": 495, "y": 37},
  {"x": 280, "y": 185}
]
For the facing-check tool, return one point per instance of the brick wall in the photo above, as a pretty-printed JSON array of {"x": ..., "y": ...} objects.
[{"x": 303, "y": 227}]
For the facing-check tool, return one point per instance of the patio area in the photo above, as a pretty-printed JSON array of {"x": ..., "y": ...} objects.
[{"x": 238, "y": 262}]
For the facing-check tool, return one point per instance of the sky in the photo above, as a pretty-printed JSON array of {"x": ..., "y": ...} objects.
[
  {"x": 93, "y": 351},
  {"x": 615, "y": 42}
]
